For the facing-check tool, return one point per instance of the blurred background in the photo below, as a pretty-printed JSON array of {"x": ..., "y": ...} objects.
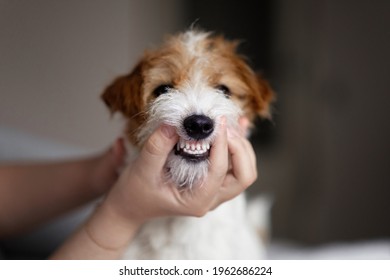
[{"x": 324, "y": 159}]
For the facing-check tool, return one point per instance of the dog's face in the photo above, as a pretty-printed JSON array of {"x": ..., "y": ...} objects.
[{"x": 188, "y": 83}]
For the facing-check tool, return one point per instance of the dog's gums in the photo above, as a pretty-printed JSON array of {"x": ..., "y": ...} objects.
[{"x": 193, "y": 151}]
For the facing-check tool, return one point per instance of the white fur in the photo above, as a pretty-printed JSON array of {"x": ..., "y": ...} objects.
[
  {"x": 224, "y": 233},
  {"x": 191, "y": 40}
]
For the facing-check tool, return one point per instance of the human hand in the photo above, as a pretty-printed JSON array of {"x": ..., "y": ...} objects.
[
  {"x": 243, "y": 165},
  {"x": 105, "y": 167},
  {"x": 142, "y": 192}
]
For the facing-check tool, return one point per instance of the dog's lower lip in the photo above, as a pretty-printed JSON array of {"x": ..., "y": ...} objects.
[{"x": 193, "y": 157}]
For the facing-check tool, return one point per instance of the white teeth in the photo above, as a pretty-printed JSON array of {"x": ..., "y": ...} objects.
[{"x": 192, "y": 147}]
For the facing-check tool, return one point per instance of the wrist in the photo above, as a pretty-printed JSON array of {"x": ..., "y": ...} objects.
[{"x": 108, "y": 230}]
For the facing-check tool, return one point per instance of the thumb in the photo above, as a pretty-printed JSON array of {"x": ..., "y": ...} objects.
[
  {"x": 118, "y": 152},
  {"x": 155, "y": 151}
]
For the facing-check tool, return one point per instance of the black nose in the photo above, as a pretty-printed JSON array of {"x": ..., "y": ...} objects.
[{"x": 198, "y": 126}]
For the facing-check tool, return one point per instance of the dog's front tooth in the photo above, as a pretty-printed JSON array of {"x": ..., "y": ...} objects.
[
  {"x": 187, "y": 145},
  {"x": 208, "y": 146},
  {"x": 182, "y": 144},
  {"x": 198, "y": 147},
  {"x": 193, "y": 147}
]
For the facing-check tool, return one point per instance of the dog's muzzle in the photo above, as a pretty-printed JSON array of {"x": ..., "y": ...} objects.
[{"x": 197, "y": 128}]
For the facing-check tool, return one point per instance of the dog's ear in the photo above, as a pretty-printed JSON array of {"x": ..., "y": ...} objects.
[
  {"x": 262, "y": 96},
  {"x": 124, "y": 93}
]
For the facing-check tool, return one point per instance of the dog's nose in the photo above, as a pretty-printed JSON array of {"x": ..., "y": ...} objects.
[{"x": 198, "y": 126}]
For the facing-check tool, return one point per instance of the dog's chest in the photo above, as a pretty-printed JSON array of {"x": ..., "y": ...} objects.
[{"x": 224, "y": 233}]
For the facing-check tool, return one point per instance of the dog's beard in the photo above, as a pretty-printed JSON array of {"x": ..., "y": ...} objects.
[
  {"x": 187, "y": 166},
  {"x": 184, "y": 173}
]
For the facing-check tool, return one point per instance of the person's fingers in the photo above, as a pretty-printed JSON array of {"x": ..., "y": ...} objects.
[
  {"x": 251, "y": 152},
  {"x": 219, "y": 151},
  {"x": 155, "y": 151},
  {"x": 244, "y": 171},
  {"x": 244, "y": 125},
  {"x": 243, "y": 160},
  {"x": 231, "y": 189}
]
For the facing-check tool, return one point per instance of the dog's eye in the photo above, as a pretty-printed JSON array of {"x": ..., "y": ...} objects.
[
  {"x": 225, "y": 90},
  {"x": 161, "y": 89}
]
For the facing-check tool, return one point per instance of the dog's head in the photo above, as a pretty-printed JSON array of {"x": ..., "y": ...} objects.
[{"x": 189, "y": 82}]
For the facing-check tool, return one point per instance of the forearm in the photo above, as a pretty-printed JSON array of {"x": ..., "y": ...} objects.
[
  {"x": 105, "y": 235},
  {"x": 32, "y": 194}
]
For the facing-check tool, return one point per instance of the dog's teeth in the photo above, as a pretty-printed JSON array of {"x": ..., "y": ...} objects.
[{"x": 192, "y": 147}]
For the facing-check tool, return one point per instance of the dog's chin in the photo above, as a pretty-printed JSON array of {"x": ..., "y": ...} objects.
[{"x": 188, "y": 163}]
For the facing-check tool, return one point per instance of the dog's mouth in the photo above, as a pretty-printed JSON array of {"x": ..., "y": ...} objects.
[{"x": 193, "y": 151}]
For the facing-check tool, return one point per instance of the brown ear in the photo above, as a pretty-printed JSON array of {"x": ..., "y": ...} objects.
[
  {"x": 124, "y": 93},
  {"x": 263, "y": 97}
]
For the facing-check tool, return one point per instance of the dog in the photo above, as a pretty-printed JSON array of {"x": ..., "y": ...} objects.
[{"x": 189, "y": 82}]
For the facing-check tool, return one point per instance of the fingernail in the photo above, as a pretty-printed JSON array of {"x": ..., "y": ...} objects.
[{"x": 168, "y": 131}]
